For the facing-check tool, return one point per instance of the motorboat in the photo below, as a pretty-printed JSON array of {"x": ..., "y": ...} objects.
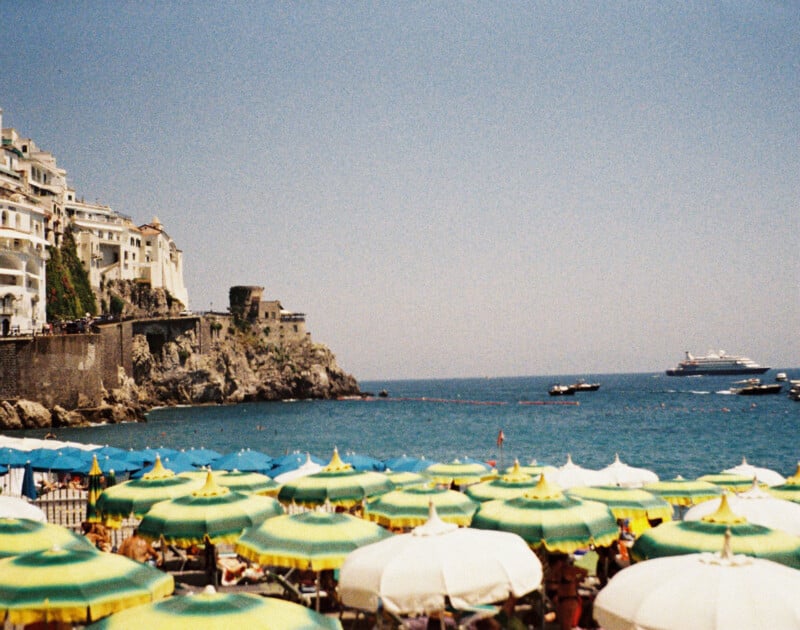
[
  {"x": 582, "y": 386},
  {"x": 781, "y": 377},
  {"x": 716, "y": 363},
  {"x": 754, "y": 387},
  {"x": 794, "y": 390},
  {"x": 562, "y": 390}
]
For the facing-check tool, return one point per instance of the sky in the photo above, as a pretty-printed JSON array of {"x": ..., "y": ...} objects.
[{"x": 446, "y": 189}]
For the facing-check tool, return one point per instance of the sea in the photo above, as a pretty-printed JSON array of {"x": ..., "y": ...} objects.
[{"x": 670, "y": 425}]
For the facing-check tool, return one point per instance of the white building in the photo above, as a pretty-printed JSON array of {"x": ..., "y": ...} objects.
[
  {"x": 23, "y": 220},
  {"x": 36, "y": 206}
]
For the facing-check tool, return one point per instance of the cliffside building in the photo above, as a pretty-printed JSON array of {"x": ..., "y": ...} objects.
[{"x": 36, "y": 206}]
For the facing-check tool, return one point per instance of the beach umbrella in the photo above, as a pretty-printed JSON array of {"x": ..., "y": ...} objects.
[
  {"x": 61, "y": 460},
  {"x": 437, "y": 564},
  {"x": 459, "y": 472},
  {"x": 149, "y": 455},
  {"x": 129, "y": 455},
  {"x": 683, "y": 492},
  {"x": 3, "y": 469},
  {"x": 254, "y": 483},
  {"x": 571, "y": 475},
  {"x": 245, "y": 461},
  {"x": 210, "y": 610},
  {"x": 75, "y": 586},
  {"x": 636, "y": 505},
  {"x": 407, "y": 464},
  {"x": 295, "y": 459},
  {"x": 534, "y": 469},
  {"x": 95, "y": 488},
  {"x": 727, "y": 481},
  {"x": 23, "y": 535},
  {"x": 14, "y": 458},
  {"x": 28, "y": 484},
  {"x": 513, "y": 484},
  {"x": 620, "y": 474},
  {"x": 290, "y": 472},
  {"x": 202, "y": 456},
  {"x": 764, "y": 476},
  {"x": 107, "y": 463},
  {"x": 707, "y": 534},
  {"x": 211, "y": 514},
  {"x": 402, "y": 479},
  {"x": 702, "y": 591},
  {"x": 363, "y": 462},
  {"x": 757, "y": 506},
  {"x": 136, "y": 496},
  {"x": 546, "y": 517},
  {"x": 337, "y": 483},
  {"x": 178, "y": 462},
  {"x": 410, "y": 507},
  {"x": 308, "y": 540},
  {"x": 789, "y": 490},
  {"x": 16, "y": 507}
]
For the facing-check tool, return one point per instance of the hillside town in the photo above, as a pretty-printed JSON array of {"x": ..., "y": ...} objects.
[{"x": 37, "y": 207}]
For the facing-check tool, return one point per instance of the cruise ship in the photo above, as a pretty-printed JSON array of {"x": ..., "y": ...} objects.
[{"x": 716, "y": 363}]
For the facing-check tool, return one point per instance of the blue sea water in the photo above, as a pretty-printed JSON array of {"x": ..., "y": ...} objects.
[{"x": 685, "y": 426}]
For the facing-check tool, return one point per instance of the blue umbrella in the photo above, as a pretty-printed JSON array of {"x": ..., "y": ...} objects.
[
  {"x": 3, "y": 469},
  {"x": 363, "y": 462},
  {"x": 244, "y": 461},
  {"x": 177, "y": 463},
  {"x": 117, "y": 464},
  {"x": 149, "y": 454},
  {"x": 202, "y": 456},
  {"x": 60, "y": 462},
  {"x": 28, "y": 484},
  {"x": 14, "y": 457},
  {"x": 407, "y": 464}
]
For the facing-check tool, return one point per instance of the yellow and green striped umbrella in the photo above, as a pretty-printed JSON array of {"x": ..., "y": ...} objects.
[
  {"x": 219, "y": 611},
  {"x": 22, "y": 535},
  {"x": 337, "y": 483},
  {"x": 727, "y": 481},
  {"x": 238, "y": 481},
  {"x": 635, "y": 504},
  {"x": 313, "y": 541},
  {"x": 533, "y": 469},
  {"x": 708, "y": 534},
  {"x": 546, "y": 517},
  {"x": 683, "y": 492},
  {"x": 511, "y": 485},
  {"x": 72, "y": 586},
  {"x": 459, "y": 473},
  {"x": 212, "y": 514},
  {"x": 403, "y": 479},
  {"x": 95, "y": 489},
  {"x": 410, "y": 507},
  {"x": 139, "y": 495},
  {"x": 789, "y": 490}
]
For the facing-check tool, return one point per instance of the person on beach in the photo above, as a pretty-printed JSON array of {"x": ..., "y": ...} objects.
[
  {"x": 565, "y": 579},
  {"x": 137, "y": 548},
  {"x": 97, "y": 534}
]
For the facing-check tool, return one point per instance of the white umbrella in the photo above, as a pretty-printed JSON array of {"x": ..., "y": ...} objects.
[
  {"x": 413, "y": 574},
  {"x": 701, "y": 591},
  {"x": 571, "y": 475},
  {"x": 14, "y": 507},
  {"x": 619, "y": 474},
  {"x": 766, "y": 476},
  {"x": 308, "y": 468},
  {"x": 757, "y": 506}
]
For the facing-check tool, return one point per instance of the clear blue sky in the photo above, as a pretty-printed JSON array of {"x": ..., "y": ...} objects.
[{"x": 447, "y": 189}]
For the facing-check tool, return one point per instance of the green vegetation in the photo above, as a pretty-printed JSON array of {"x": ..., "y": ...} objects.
[{"x": 69, "y": 293}]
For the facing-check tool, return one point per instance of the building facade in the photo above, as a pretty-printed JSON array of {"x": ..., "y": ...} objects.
[{"x": 36, "y": 206}]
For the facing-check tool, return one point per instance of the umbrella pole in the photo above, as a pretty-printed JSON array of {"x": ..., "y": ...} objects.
[{"x": 318, "y": 572}]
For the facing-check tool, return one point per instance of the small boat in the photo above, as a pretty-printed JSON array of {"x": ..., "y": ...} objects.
[
  {"x": 582, "y": 386},
  {"x": 794, "y": 390},
  {"x": 562, "y": 390},
  {"x": 781, "y": 377},
  {"x": 754, "y": 387}
]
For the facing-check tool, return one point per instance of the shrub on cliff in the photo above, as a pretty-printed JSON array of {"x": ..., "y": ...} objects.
[{"x": 69, "y": 293}]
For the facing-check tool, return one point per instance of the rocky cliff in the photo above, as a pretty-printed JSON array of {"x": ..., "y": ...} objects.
[{"x": 238, "y": 367}]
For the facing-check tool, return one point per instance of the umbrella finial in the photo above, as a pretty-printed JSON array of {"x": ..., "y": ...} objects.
[
  {"x": 616, "y": 458},
  {"x": 544, "y": 490},
  {"x": 336, "y": 463},
  {"x": 95, "y": 469},
  {"x": 211, "y": 489},
  {"x": 724, "y": 514},
  {"x": 158, "y": 471}
]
